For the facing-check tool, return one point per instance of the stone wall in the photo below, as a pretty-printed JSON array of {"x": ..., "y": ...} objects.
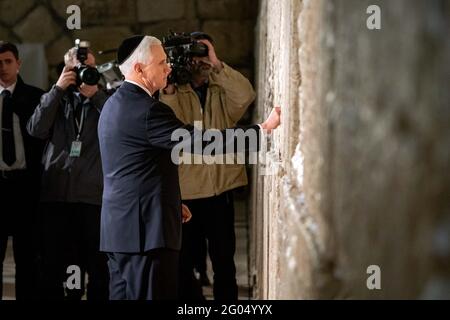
[
  {"x": 364, "y": 177},
  {"x": 105, "y": 23}
]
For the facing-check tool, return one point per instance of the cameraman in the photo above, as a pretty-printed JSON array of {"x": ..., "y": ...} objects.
[
  {"x": 71, "y": 194},
  {"x": 218, "y": 96}
]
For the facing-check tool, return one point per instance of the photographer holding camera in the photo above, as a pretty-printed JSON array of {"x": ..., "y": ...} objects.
[
  {"x": 217, "y": 96},
  {"x": 72, "y": 182}
]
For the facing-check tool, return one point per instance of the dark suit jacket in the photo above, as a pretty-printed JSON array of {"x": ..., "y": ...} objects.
[
  {"x": 141, "y": 197},
  {"x": 25, "y": 99}
]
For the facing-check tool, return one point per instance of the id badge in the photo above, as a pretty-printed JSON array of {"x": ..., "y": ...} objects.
[{"x": 75, "y": 150}]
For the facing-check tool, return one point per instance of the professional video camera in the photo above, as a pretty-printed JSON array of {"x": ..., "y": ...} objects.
[
  {"x": 180, "y": 49},
  {"x": 85, "y": 73},
  {"x": 111, "y": 77}
]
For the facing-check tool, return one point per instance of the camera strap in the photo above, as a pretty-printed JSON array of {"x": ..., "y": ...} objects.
[
  {"x": 75, "y": 149},
  {"x": 79, "y": 125}
]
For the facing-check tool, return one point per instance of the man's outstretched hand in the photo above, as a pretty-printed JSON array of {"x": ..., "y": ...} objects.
[
  {"x": 186, "y": 214},
  {"x": 273, "y": 121}
]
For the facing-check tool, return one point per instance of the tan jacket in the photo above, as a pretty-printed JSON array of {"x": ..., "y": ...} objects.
[{"x": 228, "y": 97}]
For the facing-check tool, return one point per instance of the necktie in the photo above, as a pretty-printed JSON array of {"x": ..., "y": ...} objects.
[{"x": 9, "y": 149}]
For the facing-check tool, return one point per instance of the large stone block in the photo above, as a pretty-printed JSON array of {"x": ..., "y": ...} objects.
[
  {"x": 4, "y": 34},
  {"x": 368, "y": 183},
  {"x": 227, "y": 9},
  {"x": 157, "y": 10},
  {"x": 233, "y": 40},
  {"x": 38, "y": 26},
  {"x": 11, "y": 10},
  {"x": 105, "y": 12},
  {"x": 55, "y": 52},
  {"x": 161, "y": 29},
  {"x": 190, "y": 9}
]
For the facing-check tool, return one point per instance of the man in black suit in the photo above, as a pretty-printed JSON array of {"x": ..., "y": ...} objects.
[
  {"x": 20, "y": 157},
  {"x": 142, "y": 210}
]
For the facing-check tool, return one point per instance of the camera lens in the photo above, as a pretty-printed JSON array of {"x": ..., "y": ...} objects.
[
  {"x": 199, "y": 50},
  {"x": 90, "y": 76}
]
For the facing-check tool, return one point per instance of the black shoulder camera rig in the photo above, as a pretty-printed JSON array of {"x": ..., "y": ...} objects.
[{"x": 180, "y": 49}]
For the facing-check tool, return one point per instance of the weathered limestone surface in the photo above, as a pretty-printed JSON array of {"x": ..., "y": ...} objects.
[
  {"x": 365, "y": 158},
  {"x": 13, "y": 11},
  {"x": 158, "y": 10},
  {"x": 38, "y": 26}
]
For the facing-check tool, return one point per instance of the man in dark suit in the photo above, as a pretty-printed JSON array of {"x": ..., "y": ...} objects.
[
  {"x": 142, "y": 210},
  {"x": 20, "y": 157}
]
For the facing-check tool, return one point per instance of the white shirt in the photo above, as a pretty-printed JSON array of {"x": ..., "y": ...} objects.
[
  {"x": 20, "y": 162},
  {"x": 11, "y": 88}
]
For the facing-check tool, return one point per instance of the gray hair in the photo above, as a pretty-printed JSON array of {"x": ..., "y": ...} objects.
[{"x": 140, "y": 54}]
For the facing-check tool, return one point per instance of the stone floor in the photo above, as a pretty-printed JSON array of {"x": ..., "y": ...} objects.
[{"x": 240, "y": 260}]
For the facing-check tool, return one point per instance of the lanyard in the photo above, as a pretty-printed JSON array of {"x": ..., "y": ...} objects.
[{"x": 80, "y": 125}]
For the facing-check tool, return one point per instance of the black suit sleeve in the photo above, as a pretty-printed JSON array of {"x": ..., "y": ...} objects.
[
  {"x": 161, "y": 123},
  {"x": 165, "y": 130}
]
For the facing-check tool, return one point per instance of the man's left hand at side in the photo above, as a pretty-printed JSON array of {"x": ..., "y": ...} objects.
[
  {"x": 87, "y": 90},
  {"x": 186, "y": 214}
]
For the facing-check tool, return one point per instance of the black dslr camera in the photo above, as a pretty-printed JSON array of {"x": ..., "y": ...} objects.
[
  {"x": 180, "y": 49},
  {"x": 85, "y": 74}
]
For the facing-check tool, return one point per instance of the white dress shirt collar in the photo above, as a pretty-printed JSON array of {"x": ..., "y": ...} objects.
[
  {"x": 11, "y": 88},
  {"x": 140, "y": 86}
]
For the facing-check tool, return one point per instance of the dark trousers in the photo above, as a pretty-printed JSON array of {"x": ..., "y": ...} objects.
[
  {"x": 70, "y": 237},
  {"x": 149, "y": 276},
  {"x": 200, "y": 253},
  {"x": 19, "y": 194},
  {"x": 214, "y": 218}
]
